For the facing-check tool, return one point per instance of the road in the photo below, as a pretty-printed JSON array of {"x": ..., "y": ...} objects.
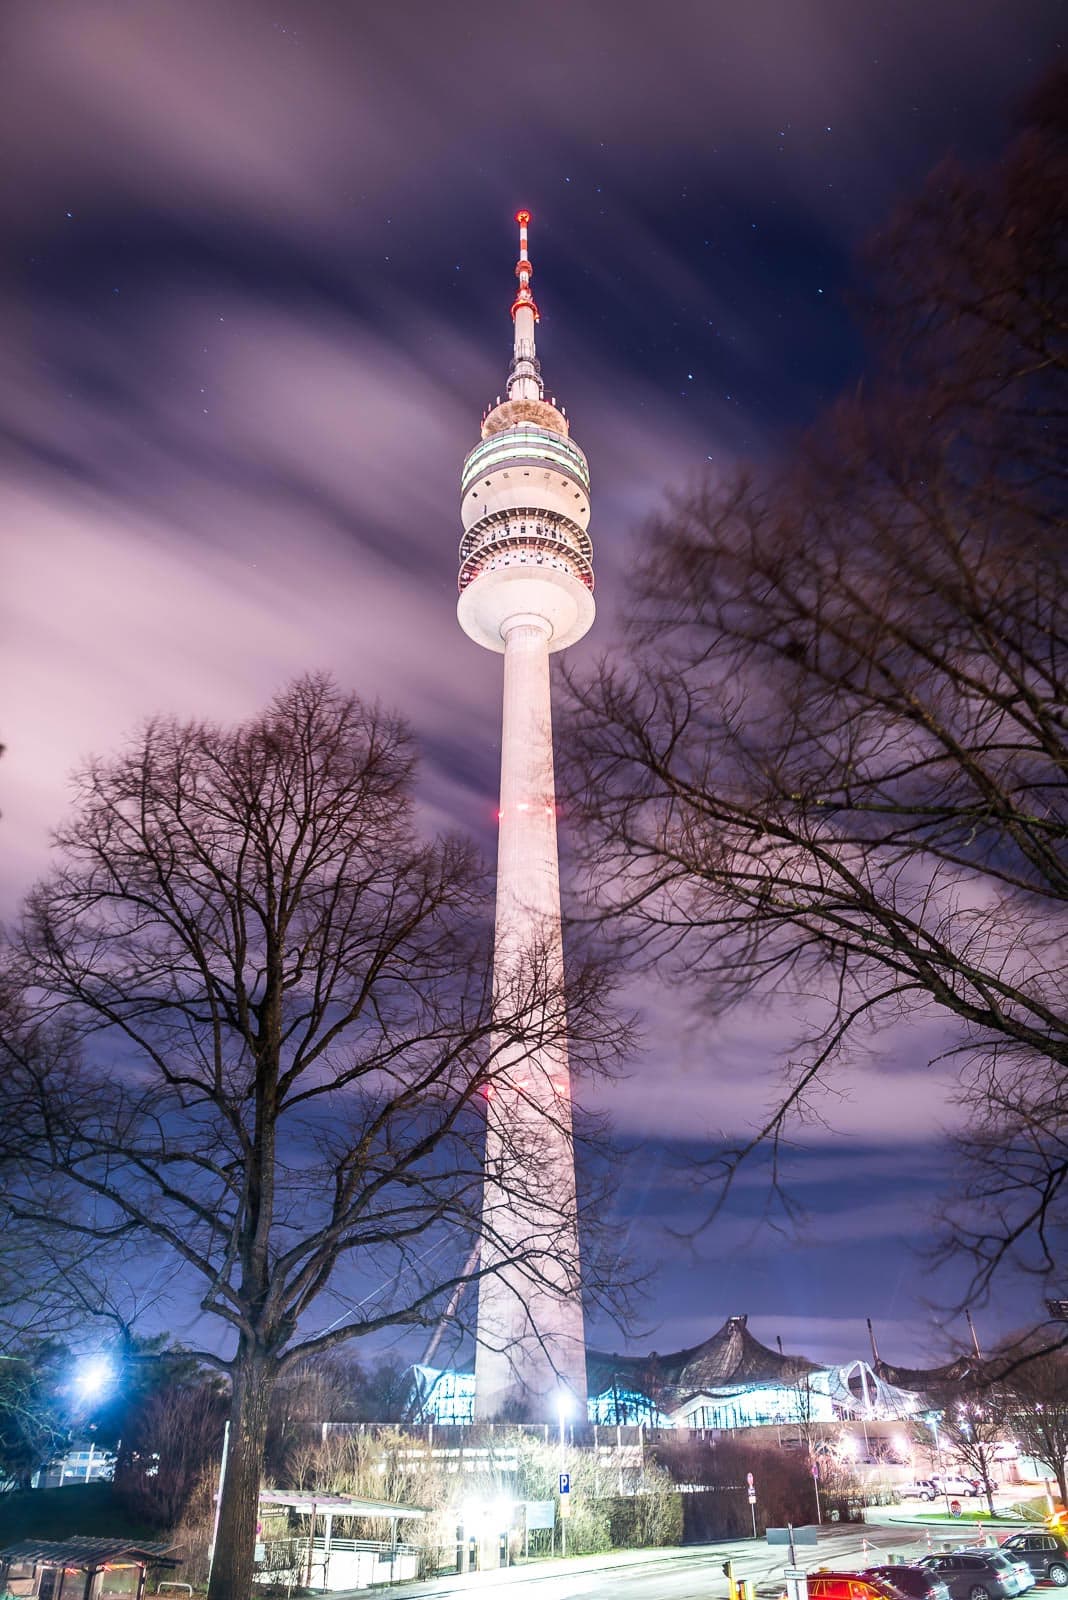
[{"x": 690, "y": 1574}]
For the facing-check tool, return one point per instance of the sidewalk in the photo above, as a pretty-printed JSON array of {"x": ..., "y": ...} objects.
[{"x": 538, "y": 1571}]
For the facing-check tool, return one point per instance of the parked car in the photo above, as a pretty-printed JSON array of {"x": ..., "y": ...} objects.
[
  {"x": 915, "y": 1582},
  {"x": 1022, "y": 1568},
  {"x": 956, "y": 1485},
  {"x": 850, "y": 1586},
  {"x": 974, "y": 1574},
  {"x": 1024, "y": 1576},
  {"x": 951, "y": 1484},
  {"x": 922, "y": 1489},
  {"x": 1046, "y": 1553}
]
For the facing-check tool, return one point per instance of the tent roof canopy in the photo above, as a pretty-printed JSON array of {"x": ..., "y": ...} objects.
[{"x": 732, "y": 1357}]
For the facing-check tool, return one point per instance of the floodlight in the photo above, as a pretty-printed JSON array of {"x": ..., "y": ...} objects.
[{"x": 94, "y": 1375}]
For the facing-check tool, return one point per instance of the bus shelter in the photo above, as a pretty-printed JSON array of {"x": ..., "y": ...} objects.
[
  {"x": 80, "y": 1569},
  {"x": 316, "y": 1558}
]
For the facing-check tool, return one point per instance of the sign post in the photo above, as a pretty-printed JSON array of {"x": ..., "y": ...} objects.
[
  {"x": 565, "y": 1509},
  {"x": 793, "y": 1537},
  {"x": 752, "y": 1500},
  {"x": 816, "y": 1486},
  {"x": 796, "y": 1583},
  {"x": 539, "y": 1514}
]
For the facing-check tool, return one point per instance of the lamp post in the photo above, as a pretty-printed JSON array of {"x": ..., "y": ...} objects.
[
  {"x": 95, "y": 1378},
  {"x": 932, "y": 1419}
]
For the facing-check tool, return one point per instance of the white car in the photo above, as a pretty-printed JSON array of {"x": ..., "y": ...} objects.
[
  {"x": 924, "y": 1489},
  {"x": 955, "y": 1486}
]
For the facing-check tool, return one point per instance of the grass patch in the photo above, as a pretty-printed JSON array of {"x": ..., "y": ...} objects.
[
  {"x": 88, "y": 1508},
  {"x": 971, "y": 1517}
]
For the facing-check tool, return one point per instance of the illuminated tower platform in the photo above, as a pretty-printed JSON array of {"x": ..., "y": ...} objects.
[{"x": 526, "y": 591}]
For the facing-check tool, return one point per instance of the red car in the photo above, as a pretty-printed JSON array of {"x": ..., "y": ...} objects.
[{"x": 849, "y": 1586}]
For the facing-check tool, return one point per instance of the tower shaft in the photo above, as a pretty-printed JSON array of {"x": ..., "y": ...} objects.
[{"x": 530, "y": 1325}]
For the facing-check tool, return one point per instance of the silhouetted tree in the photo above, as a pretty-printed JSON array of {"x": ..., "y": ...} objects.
[
  {"x": 1034, "y": 1376},
  {"x": 259, "y": 1030},
  {"x": 175, "y": 1437},
  {"x": 34, "y": 1421},
  {"x": 783, "y": 1480},
  {"x": 975, "y": 1415},
  {"x": 835, "y": 762},
  {"x": 332, "y": 1387}
]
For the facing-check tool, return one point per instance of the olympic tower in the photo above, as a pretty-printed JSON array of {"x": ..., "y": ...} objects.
[{"x": 526, "y": 591}]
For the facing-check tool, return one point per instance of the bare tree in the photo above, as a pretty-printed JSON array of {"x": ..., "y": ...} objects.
[
  {"x": 331, "y": 1387},
  {"x": 835, "y": 762},
  {"x": 258, "y": 1037},
  {"x": 51, "y": 1281},
  {"x": 307, "y": 1394},
  {"x": 34, "y": 1423},
  {"x": 975, "y": 1416},
  {"x": 1035, "y": 1380},
  {"x": 176, "y": 1437},
  {"x": 803, "y": 1414}
]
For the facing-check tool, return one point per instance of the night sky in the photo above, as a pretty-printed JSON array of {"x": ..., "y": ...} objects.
[{"x": 258, "y": 269}]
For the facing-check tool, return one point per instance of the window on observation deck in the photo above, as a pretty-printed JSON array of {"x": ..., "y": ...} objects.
[{"x": 526, "y": 444}]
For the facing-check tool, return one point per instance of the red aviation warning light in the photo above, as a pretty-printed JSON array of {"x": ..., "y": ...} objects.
[{"x": 523, "y": 270}]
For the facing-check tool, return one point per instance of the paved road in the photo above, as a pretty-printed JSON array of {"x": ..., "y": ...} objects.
[{"x": 677, "y": 1575}]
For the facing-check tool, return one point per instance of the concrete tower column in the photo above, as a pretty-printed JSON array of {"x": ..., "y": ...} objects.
[
  {"x": 530, "y": 1324},
  {"x": 526, "y": 591},
  {"x": 528, "y": 875}
]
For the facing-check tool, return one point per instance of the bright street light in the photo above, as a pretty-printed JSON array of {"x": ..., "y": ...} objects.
[{"x": 94, "y": 1375}]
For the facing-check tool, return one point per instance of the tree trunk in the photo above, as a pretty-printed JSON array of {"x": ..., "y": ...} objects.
[
  {"x": 231, "y": 1572},
  {"x": 1062, "y": 1483}
]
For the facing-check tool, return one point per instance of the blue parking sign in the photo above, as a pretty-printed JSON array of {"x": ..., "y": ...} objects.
[{"x": 565, "y": 1483}]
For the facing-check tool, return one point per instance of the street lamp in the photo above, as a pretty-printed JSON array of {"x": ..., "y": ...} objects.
[
  {"x": 932, "y": 1418},
  {"x": 94, "y": 1375}
]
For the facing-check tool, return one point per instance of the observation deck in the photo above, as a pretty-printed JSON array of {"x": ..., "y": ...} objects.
[
  {"x": 525, "y": 508},
  {"x": 525, "y": 504},
  {"x": 516, "y": 446},
  {"x": 526, "y": 536}
]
